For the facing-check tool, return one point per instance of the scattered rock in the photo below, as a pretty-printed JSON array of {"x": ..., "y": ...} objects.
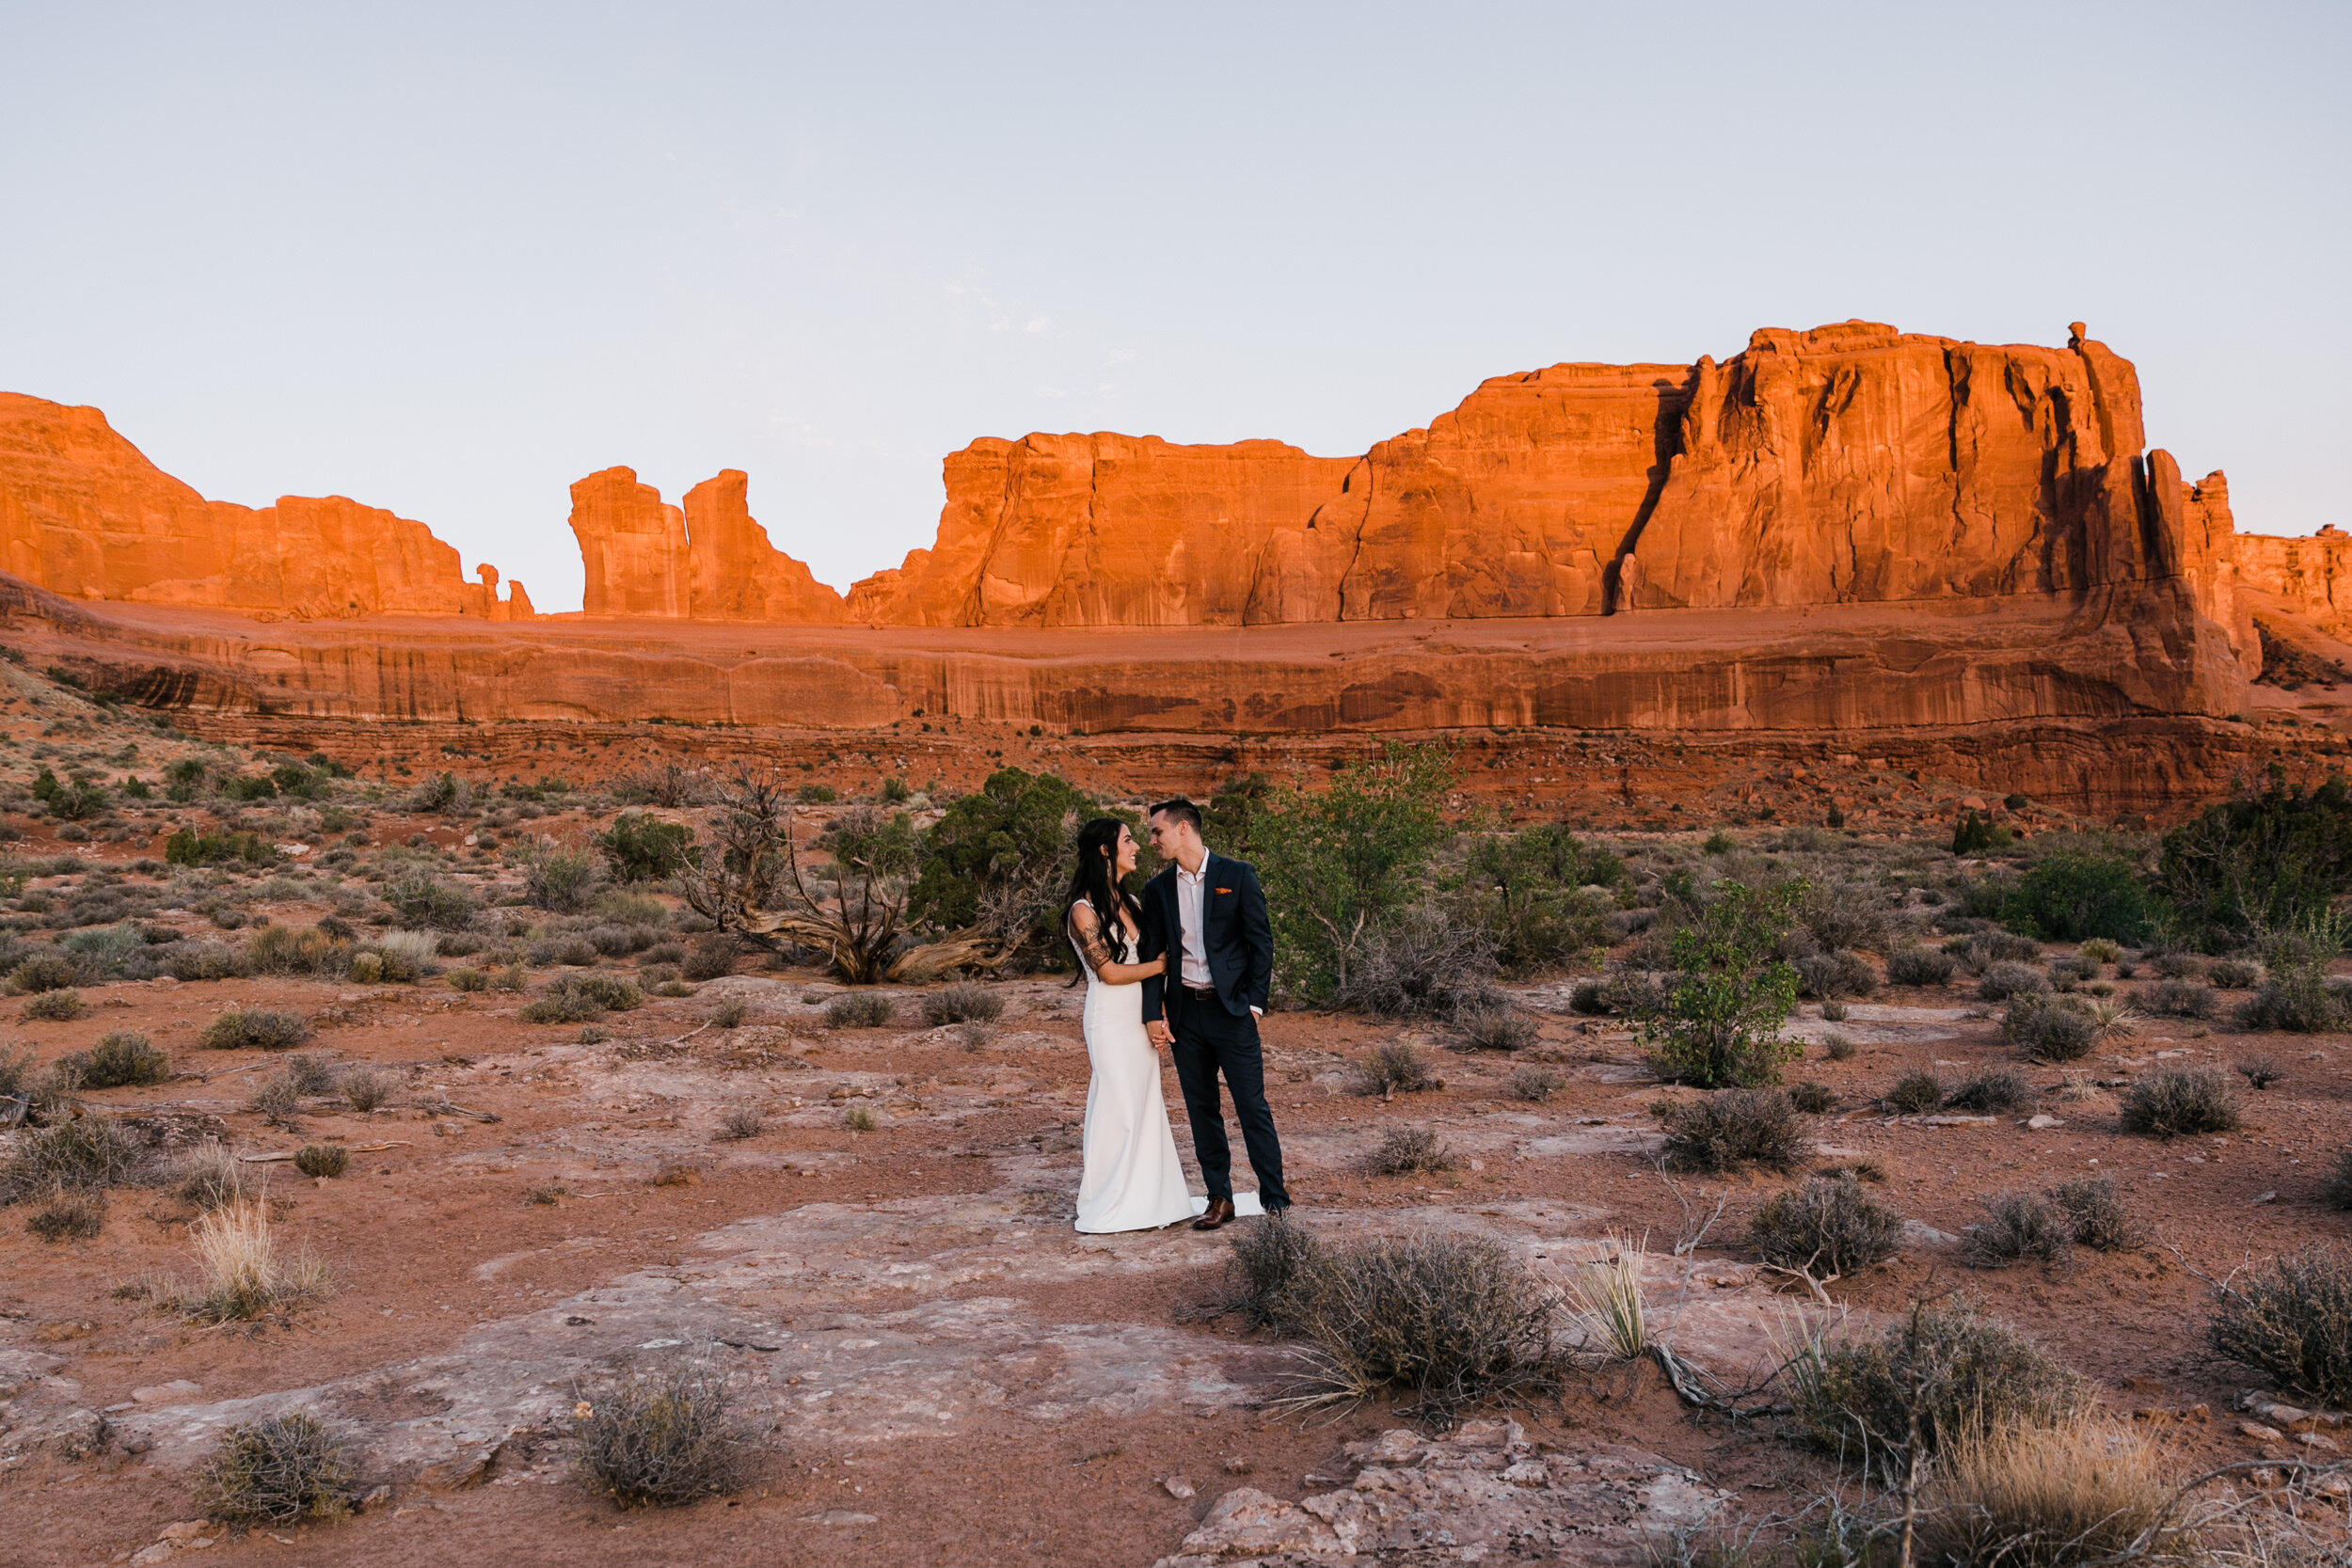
[
  {"x": 838, "y": 1516},
  {"x": 2262, "y": 1433},
  {"x": 167, "y": 1393},
  {"x": 2264, "y": 1198},
  {"x": 677, "y": 1173},
  {"x": 1178, "y": 1487},
  {"x": 2043, "y": 1123}
]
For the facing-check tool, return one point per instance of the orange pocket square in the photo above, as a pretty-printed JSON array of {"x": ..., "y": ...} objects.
[{"x": 1224, "y": 890}]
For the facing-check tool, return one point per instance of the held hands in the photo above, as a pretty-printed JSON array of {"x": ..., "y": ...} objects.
[{"x": 1159, "y": 1032}]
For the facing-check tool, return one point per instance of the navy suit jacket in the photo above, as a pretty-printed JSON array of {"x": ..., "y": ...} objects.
[{"x": 1234, "y": 930}]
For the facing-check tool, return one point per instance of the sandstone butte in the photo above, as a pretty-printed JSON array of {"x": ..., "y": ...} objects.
[{"x": 1838, "y": 529}]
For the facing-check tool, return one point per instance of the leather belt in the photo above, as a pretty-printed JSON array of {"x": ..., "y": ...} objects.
[{"x": 1207, "y": 994}]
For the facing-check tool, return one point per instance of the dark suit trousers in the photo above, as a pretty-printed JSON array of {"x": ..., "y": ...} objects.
[{"x": 1210, "y": 1040}]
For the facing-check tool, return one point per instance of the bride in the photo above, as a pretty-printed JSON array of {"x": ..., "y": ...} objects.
[{"x": 1131, "y": 1179}]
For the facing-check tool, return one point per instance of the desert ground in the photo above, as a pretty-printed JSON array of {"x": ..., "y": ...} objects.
[{"x": 863, "y": 1228}]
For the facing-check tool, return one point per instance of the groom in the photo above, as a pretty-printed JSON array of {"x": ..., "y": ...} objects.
[{"x": 1207, "y": 914}]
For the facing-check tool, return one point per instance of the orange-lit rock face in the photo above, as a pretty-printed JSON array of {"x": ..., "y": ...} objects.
[
  {"x": 709, "y": 561},
  {"x": 83, "y": 512},
  {"x": 1852, "y": 463}
]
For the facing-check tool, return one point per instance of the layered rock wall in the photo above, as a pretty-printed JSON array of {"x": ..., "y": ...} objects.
[
  {"x": 84, "y": 512},
  {"x": 710, "y": 560}
]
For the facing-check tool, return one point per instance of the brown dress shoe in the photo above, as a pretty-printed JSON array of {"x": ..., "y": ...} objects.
[{"x": 1219, "y": 1212}]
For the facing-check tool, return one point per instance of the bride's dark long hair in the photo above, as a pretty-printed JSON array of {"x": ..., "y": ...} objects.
[{"x": 1095, "y": 878}]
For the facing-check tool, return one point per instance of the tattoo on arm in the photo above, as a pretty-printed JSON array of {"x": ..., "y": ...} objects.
[{"x": 1087, "y": 932}]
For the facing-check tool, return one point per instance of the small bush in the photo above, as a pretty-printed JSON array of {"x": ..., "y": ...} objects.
[
  {"x": 1267, "y": 1259},
  {"x": 640, "y": 848},
  {"x": 1393, "y": 1067},
  {"x": 254, "y": 1029},
  {"x": 2004, "y": 979},
  {"x": 565, "y": 879},
  {"x": 743, "y": 1121},
  {"x": 2292, "y": 1318},
  {"x": 468, "y": 979},
  {"x": 275, "y": 1471},
  {"x": 1836, "y": 975},
  {"x": 661, "y": 1439},
  {"x": 2048, "y": 1029},
  {"x": 1452, "y": 1319},
  {"x": 1426, "y": 964},
  {"x": 1496, "y": 1029},
  {"x": 85, "y": 1152},
  {"x": 1533, "y": 1084},
  {"x": 1968, "y": 1372},
  {"x": 69, "y": 1214},
  {"x": 421, "y": 901},
  {"x": 244, "y": 1274},
  {"x": 1813, "y": 1099},
  {"x": 1914, "y": 1092},
  {"x": 122, "y": 1056},
  {"x": 1838, "y": 1047},
  {"x": 1732, "y": 1129},
  {"x": 1991, "y": 1092},
  {"x": 2298, "y": 1001},
  {"x": 2018, "y": 1225},
  {"x": 275, "y": 1099},
  {"x": 1828, "y": 1227},
  {"x": 2095, "y": 1214},
  {"x": 712, "y": 958},
  {"x": 1919, "y": 966},
  {"x": 860, "y": 1009},
  {"x": 2235, "y": 973},
  {"x": 731, "y": 1013},
  {"x": 2179, "y": 998},
  {"x": 2174, "y": 1102},
  {"x": 46, "y": 972},
  {"x": 54, "y": 1006},
  {"x": 365, "y": 1089},
  {"x": 321, "y": 1159},
  {"x": 2067, "y": 896},
  {"x": 2262, "y": 1071},
  {"x": 206, "y": 960},
  {"x": 582, "y": 999},
  {"x": 2100, "y": 950},
  {"x": 293, "y": 950},
  {"x": 1410, "y": 1151},
  {"x": 962, "y": 1003}
]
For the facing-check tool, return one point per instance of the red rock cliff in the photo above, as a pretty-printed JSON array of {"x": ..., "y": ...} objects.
[
  {"x": 709, "y": 561},
  {"x": 84, "y": 512}
]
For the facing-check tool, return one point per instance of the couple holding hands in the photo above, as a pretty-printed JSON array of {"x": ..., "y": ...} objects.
[{"x": 1187, "y": 969}]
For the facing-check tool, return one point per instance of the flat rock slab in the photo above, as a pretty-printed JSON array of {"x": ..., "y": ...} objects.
[{"x": 1481, "y": 1495}]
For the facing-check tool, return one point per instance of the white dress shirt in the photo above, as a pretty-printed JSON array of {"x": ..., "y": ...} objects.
[{"x": 1191, "y": 894}]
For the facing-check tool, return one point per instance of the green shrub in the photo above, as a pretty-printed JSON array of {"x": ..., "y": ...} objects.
[
  {"x": 640, "y": 847},
  {"x": 1732, "y": 1129},
  {"x": 1828, "y": 1228},
  {"x": 816, "y": 795},
  {"x": 2264, "y": 861},
  {"x": 995, "y": 846},
  {"x": 2049, "y": 1029},
  {"x": 122, "y": 1056},
  {"x": 2174, "y": 1102},
  {"x": 1719, "y": 1023},
  {"x": 316, "y": 1160},
  {"x": 2067, "y": 896},
  {"x": 468, "y": 979},
  {"x": 1975, "y": 834},
  {"x": 1836, "y": 975},
  {"x": 69, "y": 1214},
  {"x": 293, "y": 950},
  {"x": 254, "y": 1029},
  {"x": 421, "y": 901},
  {"x": 2099, "y": 950},
  {"x": 1955, "y": 1369},
  {"x": 560, "y": 877},
  {"x": 189, "y": 847},
  {"x": 711, "y": 958},
  {"x": 2292, "y": 1318},
  {"x": 1525, "y": 891},
  {"x": 277, "y": 1470},
  {"x": 1813, "y": 1099}
]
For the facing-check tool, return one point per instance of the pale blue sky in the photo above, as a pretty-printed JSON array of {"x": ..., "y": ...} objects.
[{"x": 447, "y": 259}]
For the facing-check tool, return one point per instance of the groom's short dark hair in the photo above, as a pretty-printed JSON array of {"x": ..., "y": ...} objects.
[{"x": 1179, "y": 807}]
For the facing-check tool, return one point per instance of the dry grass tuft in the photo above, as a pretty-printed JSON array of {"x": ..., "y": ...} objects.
[
  {"x": 743, "y": 1121},
  {"x": 244, "y": 1274},
  {"x": 2057, "y": 1496},
  {"x": 275, "y": 1471},
  {"x": 1604, "y": 1301},
  {"x": 69, "y": 1214},
  {"x": 965, "y": 1002}
]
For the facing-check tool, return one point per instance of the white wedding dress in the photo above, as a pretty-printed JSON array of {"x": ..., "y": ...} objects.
[{"x": 1133, "y": 1179}]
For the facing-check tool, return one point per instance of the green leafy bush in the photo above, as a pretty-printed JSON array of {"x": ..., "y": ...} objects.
[
  {"x": 640, "y": 847},
  {"x": 254, "y": 1029},
  {"x": 189, "y": 847},
  {"x": 1720, "y": 1021},
  {"x": 2264, "y": 861},
  {"x": 1525, "y": 889},
  {"x": 1005, "y": 846},
  {"x": 562, "y": 877},
  {"x": 2067, "y": 896}
]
